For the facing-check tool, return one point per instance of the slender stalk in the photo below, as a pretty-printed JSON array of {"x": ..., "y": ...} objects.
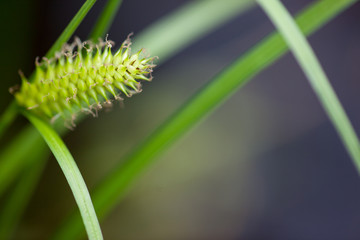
[
  {"x": 197, "y": 108},
  {"x": 72, "y": 174},
  {"x": 310, "y": 65},
  {"x": 105, "y": 19}
]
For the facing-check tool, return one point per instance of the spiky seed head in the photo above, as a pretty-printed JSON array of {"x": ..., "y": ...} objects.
[{"x": 83, "y": 76}]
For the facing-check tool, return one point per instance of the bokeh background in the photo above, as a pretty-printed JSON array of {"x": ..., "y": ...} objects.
[{"x": 265, "y": 165}]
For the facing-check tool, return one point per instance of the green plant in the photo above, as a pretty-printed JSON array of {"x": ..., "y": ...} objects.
[{"x": 206, "y": 100}]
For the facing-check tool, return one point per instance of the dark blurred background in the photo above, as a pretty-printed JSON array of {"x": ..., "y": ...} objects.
[{"x": 266, "y": 165}]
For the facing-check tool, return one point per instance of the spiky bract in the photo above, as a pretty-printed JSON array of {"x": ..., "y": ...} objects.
[{"x": 83, "y": 77}]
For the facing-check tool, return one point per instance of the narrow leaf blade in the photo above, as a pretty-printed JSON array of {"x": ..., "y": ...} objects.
[
  {"x": 72, "y": 174},
  {"x": 315, "y": 74}
]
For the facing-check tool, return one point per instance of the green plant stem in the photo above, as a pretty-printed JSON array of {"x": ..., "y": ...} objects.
[
  {"x": 105, "y": 20},
  {"x": 16, "y": 203},
  {"x": 310, "y": 65},
  {"x": 197, "y": 108},
  {"x": 72, "y": 174},
  {"x": 11, "y": 111}
]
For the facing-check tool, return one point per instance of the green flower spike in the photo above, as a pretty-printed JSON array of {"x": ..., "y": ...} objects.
[{"x": 83, "y": 80}]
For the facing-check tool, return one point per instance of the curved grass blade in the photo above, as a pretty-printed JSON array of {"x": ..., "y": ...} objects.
[
  {"x": 197, "y": 108},
  {"x": 72, "y": 174},
  {"x": 315, "y": 74},
  {"x": 10, "y": 112},
  {"x": 105, "y": 20}
]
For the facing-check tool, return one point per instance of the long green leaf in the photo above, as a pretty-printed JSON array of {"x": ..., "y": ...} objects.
[
  {"x": 212, "y": 95},
  {"x": 72, "y": 174},
  {"x": 105, "y": 20},
  {"x": 11, "y": 111},
  {"x": 315, "y": 74}
]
